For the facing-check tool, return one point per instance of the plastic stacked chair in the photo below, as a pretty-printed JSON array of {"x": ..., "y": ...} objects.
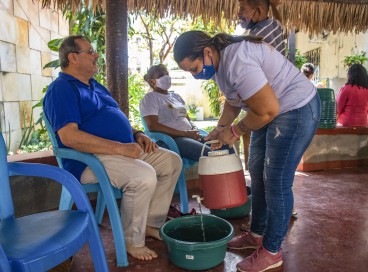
[
  {"x": 41, "y": 241},
  {"x": 328, "y": 108},
  {"x": 182, "y": 184},
  {"x": 106, "y": 193}
]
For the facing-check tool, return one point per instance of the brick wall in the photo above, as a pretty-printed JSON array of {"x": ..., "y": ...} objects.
[{"x": 25, "y": 30}]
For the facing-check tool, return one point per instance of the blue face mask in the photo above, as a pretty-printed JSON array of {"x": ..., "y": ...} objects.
[
  {"x": 244, "y": 24},
  {"x": 207, "y": 72}
]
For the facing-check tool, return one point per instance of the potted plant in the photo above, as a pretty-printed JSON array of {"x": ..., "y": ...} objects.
[{"x": 356, "y": 57}]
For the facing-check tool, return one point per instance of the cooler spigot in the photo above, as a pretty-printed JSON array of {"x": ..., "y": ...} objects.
[{"x": 199, "y": 198}]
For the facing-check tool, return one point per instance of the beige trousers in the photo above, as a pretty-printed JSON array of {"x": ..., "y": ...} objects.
[{"x": 148, "y": 185}]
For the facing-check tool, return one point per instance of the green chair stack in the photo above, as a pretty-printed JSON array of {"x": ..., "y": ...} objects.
[{"x": 328, "y": 108}]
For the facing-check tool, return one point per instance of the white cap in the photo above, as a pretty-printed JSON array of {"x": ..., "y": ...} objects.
[{"x": 216, "y": 153}]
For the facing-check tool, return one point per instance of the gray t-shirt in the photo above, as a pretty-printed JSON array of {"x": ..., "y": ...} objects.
[
  {"x": 170, "y": 109},
  {"x": 245, "y": 67}
]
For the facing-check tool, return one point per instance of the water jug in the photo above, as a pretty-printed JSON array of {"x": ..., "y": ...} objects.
[{"x": 221, "y": 179}]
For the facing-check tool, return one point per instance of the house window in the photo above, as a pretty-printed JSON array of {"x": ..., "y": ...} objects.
[{"x": 314, "y": 57}]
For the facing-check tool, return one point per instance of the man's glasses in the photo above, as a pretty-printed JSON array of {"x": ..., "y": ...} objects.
[{"x": 90, "y": 52}]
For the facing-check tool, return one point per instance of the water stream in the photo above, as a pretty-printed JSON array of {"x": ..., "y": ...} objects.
[{"x": 200, "y": 210}]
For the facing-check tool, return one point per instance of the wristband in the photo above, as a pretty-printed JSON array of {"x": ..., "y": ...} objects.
[
  {"x": 138, "y": 131},
  {"x": 234, "y": 132}
]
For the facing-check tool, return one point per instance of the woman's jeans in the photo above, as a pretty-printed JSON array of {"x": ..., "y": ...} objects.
[{"x": 275, "y": 152}]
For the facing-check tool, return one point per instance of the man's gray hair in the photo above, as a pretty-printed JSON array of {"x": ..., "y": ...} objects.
[{"x": 69, "y": 45}]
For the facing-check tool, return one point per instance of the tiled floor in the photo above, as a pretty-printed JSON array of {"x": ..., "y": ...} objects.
[{"x": 330, "y": 234}]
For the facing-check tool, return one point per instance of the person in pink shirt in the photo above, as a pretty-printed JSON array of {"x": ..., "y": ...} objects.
[{"x": 352, "y": 101}]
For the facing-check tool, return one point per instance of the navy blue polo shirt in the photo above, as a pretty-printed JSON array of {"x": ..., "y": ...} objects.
[{"x": 69, "y": 100}]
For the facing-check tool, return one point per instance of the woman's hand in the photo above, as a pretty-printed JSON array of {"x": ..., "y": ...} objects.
[
  {"x": 224, "y": 135},
  {"x": 145, "y": 143}
]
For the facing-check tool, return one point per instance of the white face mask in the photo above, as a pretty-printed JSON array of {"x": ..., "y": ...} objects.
[{"x": 164, "y": 82}]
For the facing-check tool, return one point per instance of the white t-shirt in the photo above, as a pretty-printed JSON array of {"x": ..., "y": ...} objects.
[
  {"x": 245, "y": 67},
  {"x": 170, "y": 109}
]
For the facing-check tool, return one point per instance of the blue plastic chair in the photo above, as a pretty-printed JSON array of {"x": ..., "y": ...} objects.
[
  {"x": 106, "y": 193},
  {"x": 4, "y": 263},
  {"x": 169, "y": 141},
  {"x": 41, "y": 241}
]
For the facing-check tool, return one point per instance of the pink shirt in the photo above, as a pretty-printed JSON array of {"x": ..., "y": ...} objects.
[{"x": 352, "y": 106}]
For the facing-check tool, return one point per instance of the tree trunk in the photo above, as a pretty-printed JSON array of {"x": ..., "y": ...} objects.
[{"x": 117, "y": 51}]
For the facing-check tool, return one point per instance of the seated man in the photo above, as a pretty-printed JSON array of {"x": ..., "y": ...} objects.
[
  {"x": 85, "y": 117},
  {"x": 165, "y": 112},
  {"x": 253, "y": 15}
]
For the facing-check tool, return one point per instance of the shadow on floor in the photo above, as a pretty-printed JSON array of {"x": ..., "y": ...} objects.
[{"x": 330, "y": 234}]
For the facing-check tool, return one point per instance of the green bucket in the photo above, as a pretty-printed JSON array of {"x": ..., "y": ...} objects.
[
  {"x": 185, "y": 243},
  {"x": 236, "y": 212}
]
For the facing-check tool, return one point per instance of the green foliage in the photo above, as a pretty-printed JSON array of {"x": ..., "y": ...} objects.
[
  {"x": 300, "y": 59},
  {"x": 39, "y": 142},
  {"x": 210, "y": 27},
  {"x": 214, "y": 95},
  {"x": 209, "y": 128},
  {"x": 192, "y": 111},
  {"x": 356, "y": 58},
  {"x": 136, "y": 90}
]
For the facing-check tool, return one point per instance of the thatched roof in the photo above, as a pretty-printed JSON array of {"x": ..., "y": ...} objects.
[{"x": 310, "y": 15}]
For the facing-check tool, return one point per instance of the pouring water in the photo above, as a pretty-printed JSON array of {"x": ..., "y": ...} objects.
[{"x": 200, "y": 210}]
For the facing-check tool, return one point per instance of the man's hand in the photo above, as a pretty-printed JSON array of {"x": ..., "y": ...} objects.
[
  {"x": 145, "y": 143},
  {"x": 132, "y": 150},
  {"x": 193, "y": 134}
]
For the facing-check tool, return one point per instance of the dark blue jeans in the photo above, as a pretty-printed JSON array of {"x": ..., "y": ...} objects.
[
  {"x": 189, "y": 148},
  {"x": 274, "y": 154}
]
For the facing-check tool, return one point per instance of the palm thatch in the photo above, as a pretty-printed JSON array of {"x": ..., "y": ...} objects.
[
  {"x": 310, "y": 15},
  {"x": 316, "y": 16}
]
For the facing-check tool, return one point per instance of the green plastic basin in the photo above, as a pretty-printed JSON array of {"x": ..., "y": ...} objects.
[{"x": 186, "y": 246}]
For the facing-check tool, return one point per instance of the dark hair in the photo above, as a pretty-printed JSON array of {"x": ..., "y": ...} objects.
[
  {"x": 190, "y": 44},
  {"x": 154, "y": 72},
  {"x": 69, "y": 46},
  {"x": 255, "y": 3},
  {"x": 307, "y": 69},
  {"x": 357, "y": 75}
]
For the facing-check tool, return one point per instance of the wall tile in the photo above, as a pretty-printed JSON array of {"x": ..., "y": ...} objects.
[
  {"x": 27, "y": 10},
  {"x": 36, "y": 113},
  {"x": 54, "y": 21},
  {"x": 16, "y": 87},
  {"x": 45, "y": 17},
  {"x": 40, "y": 38},
  {"x": 24, "y": 87},
  {"x": 6, "y": 5},
  {"x": 2, "y": 118},
  {"x": 46, "y": 58},
  {"x": 8, "y": 28},
  {"x": 22, "y": 33},
  {"x": 7, "y": 57},
  {"x": 11, "y": 110},
  {"x": 38, "y": 83},
  {"x": 23, "y": 60},
  {"x": 35, "y": 56},
  {"x": 63, "y": 25},
  {"x": 16, "y": 136},
  {"x": 1, "y": 86},
  {"x": 10, "y": 87},
  {"x": 25, "y": 113}
]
